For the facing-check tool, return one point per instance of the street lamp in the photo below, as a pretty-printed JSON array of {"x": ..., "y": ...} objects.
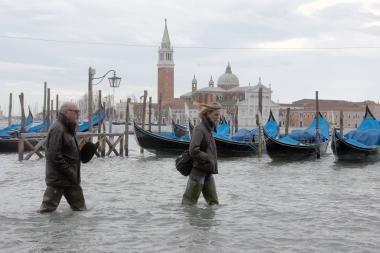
[{"x": 114, "y": 83}]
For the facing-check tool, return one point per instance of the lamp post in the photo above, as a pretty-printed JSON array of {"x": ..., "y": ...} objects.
[{"x": 114, "y": 83}]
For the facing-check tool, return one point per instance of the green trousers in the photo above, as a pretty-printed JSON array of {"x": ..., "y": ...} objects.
[
  {"x": 53, "y": 195},
  {"x": 196, "y": 185}
]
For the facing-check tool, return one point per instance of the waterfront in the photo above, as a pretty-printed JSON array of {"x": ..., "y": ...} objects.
[{"x": 134, "y": 206}]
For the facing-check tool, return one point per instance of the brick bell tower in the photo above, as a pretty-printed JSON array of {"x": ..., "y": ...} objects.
[{"x": 165, "y": 66}]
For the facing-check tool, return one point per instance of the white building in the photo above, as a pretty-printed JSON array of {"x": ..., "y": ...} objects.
[{"x": 249, "y": 107}]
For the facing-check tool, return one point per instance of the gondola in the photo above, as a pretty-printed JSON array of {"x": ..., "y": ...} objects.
[
  {"x": 359, "y": 145},
  {"x": 118, "y": 122},
  {"x": 10, "y": 145},
  {"x": 159, "y": 144},
  {"x": 13, "y": 128},
  {"x": 179, "y": 130},
  {"x": 296, "y": 147},
  {"x": 96, "y": 119},
  {"x": 163, "y": 145}
]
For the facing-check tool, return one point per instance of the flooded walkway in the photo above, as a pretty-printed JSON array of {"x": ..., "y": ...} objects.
[{"x": 134, "y": 206}]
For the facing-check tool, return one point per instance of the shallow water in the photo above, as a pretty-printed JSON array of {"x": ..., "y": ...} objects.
[{"x": 134, "y": 206}]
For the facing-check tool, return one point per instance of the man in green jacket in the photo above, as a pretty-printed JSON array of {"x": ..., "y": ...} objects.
[{"x": 63, "y": 162}]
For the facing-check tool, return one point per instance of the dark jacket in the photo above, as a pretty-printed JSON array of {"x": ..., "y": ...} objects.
[
  {"x": 203, "y": 149},
  {"x": 62, "y": 155}
]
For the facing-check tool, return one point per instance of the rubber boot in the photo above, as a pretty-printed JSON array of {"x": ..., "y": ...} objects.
[
  {"x": 192, "y": 192},
  {"x": 51, "y": 199},
  {"x": 209, "y": 191}
]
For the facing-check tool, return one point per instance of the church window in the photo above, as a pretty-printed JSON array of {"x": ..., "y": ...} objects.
[{"x": 161, "y": 56}]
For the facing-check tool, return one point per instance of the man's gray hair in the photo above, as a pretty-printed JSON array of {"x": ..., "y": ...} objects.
[{"x": 65, "y": 107}]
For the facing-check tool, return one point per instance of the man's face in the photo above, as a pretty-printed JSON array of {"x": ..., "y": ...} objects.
[{"x": 72, "y": 113}]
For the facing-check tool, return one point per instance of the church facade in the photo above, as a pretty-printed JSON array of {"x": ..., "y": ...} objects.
[{"x": 240, "y": 104}]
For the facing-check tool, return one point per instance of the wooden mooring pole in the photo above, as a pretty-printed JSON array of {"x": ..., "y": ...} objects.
[
  {"x": 103, "y": 144},
  {"x": 99, "y": 110},
  {"x": 150, "y": 114},
  {"x": 91, "y": 73},
  {"x": 317, "y": 136},
  {"x": 21, "y": 96},
  {"x": 258, "y": 119},
  {"x": 51, "y": 110},
  {"x": 127, "y": 127},
  {"x": 10, "y": 110},
  {"x": 236, "y": 119},
  {"x": 56, "y": 106},
  {"x": 48, "y": 108},
  {"x": 110, "y": 115},
  {"x": 21, "y": 145},
  {"x": 287, "y": 121},
  {"x": 159, "y": 113},
  {"x": 143, "y": 115},
  {"x": 341, "y": 122},
  {"x": 44, "y": 118}
]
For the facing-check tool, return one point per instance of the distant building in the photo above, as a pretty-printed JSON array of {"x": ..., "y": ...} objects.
[
  {"x": 249, "y": 107},
  {"x": 240, "y": 104},
  {"x": 302, "y": 112}
]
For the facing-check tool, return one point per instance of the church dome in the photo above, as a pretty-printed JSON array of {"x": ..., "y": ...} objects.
[{"x": 228, "y": 80}]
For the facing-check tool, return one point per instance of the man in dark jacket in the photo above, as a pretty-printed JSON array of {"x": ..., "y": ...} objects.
[
  {"x": 203, "y": 152},
  {"x": 63, "y": 162}
]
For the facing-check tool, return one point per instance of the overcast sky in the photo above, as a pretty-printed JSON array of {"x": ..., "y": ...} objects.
[{"x": 297, "y": 46}]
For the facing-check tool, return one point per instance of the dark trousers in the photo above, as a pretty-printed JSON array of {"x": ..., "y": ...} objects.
[
  {"x": 53, "y": 195},
  {"x": 197, "y": 185}
]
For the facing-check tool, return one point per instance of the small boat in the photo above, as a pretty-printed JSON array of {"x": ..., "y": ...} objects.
[
  {"x": 118, "y": 122},
  {"x": 10, "y": 145},
  {"x": 159, "y": 144},
  {"x": 13, "y": 128},
  {"x": 359, "y": 145},
  {"x": 179, "y": 130},
  {"x": 168, "y": 144},
  {"x": 96, "y": 119},
  {"x": 301, "y": 145}
]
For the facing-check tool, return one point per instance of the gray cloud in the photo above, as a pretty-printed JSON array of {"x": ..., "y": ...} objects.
[{"x": 349, "y": 74}]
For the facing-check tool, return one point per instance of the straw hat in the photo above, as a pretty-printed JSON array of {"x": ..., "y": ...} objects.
[{"x": 88, "y": 151}]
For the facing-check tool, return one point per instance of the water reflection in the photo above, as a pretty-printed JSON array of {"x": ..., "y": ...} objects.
[
  {"x": 340, "y": 165},
  {"x": 201, "y": 217}
]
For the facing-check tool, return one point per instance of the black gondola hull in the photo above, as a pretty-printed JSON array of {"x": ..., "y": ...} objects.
[
  {"x": 344, "y": 151},
  {"x": 159, "y": 145},
  {"x": 166, "y": 146},
  {"x": 11, "y": 145},
  {"x": 277, "y": 149},
  {"x": 227, "y": 148}
]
